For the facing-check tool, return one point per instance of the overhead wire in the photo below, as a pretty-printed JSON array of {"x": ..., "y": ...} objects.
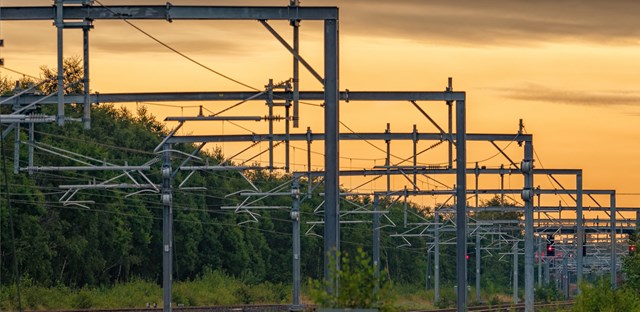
[
  {"x": 16, "y": 264},
  {"x": 231, "y": 122},
  {"x": 220, "y": 74},
  {"x": 496, "y": 154},
  {"x": 542, "y": 166},
  {"x": 207, "y": 68},
  {"x": 170, "y": 105},
  {"x": 73, "y": 139},
  {"x": 140, "y": 151},
  {"x": 124, "y": 19},
  {"x": 191, "y": 221},
  {"x": 215, "y": 72},
  {"x": 81, "y": 177},
  {"x": 18, "y": 72},
  {"x": 153, "y": 205}
]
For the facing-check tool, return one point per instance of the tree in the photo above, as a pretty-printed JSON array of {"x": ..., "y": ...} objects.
[
  {"x": 631, "y": 267},
  {"x": 73, "y": 77}
]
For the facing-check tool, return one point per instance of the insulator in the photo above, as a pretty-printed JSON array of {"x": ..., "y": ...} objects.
[
  {"x": 166, "y": 172},
  {"x": 527, "y": 194},
  {"x": 35, "y": 117},
  {"x": 166, "y": 199},
  {"x": 526, "y": 166},
  {"x": 295, "y": 215}
]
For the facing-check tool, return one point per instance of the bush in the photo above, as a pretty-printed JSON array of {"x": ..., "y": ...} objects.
[
  {"x": 82, "y": 300},
  {"x": 210, "y": 288},
  {"x": 600, "y": 297},
  {"x": 494, "y": 300},
  {"x": 244, "y": 294},
  {"x": 135, "y": 293},
  {"x": 547, "y": 293},
  {"x": 358, "y": 286},
  {"x": 447, "y": 298}
]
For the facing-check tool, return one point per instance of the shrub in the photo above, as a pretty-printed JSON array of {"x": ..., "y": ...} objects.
[
  {"x": 358, "y": 286},
  {"x": 547, "y": 293},
  {"x": 600, "y": 297},
  {"x": 447, "y": 298},
  {"x": 82, "y": 300}
]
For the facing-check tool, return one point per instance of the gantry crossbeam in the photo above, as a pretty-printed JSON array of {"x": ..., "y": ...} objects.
[
  {"x": 241, "y": 96},
  {"x": 172, "y": 12}
]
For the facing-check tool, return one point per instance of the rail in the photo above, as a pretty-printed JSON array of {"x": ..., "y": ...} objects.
[{"x": 552, "y": 306}]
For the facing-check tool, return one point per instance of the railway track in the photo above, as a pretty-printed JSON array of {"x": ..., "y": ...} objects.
[
  {"x": 553, "y": 306},
  {"x": 225, "y": 308}
]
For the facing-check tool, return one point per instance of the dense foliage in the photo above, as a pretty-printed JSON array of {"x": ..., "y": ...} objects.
[
  {"x": 104, "y": 238},
  {"x": 108, "y": 237}
]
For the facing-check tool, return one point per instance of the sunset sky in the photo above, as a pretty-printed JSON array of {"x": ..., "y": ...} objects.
[{"x": 568, "y": 68}]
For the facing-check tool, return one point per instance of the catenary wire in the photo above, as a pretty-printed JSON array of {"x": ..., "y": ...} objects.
[{"x": 178, "y": 52}]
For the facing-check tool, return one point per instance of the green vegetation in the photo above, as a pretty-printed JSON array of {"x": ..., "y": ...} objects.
[
  {"x": 211, "y": 288},
  {"x": 359, "y": 287},
  {"x": 601, "y": 297},
  {"x": 547, "y": 293},
  {"x": 106, "y": 253}
]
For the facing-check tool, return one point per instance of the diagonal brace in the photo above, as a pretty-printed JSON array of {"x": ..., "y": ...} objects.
[
  {"x": 562, "y": 187},
  {"x": 292, "y": 51},
  {"x": 504, "y": 154},
  {"x": 428, "y": 117},
  {"x": 594, "y": 200}
]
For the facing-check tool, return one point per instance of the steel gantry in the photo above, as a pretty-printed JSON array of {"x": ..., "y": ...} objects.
[
  {"x": 82, "y": 13},
  {"x": 460, "y": 141}
]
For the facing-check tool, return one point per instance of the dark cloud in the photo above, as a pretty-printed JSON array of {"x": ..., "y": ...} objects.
[
  {"x": 495, "y": 22},
  {"x": 545, "y": 94},
  {"x": 464, "y": 22}
]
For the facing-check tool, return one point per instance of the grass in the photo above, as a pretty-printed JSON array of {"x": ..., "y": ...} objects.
[{"x": 212, "y": 288}]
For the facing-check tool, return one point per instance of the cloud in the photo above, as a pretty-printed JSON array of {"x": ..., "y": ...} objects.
[
  {"x": 495, "y": 22},
  {"x": 539, "y": 93},
  {"x": 189, "y": 41},
  {"x": 461, "y": 22}
]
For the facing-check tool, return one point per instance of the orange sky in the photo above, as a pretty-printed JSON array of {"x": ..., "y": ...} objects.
[{"x": 568, "y": 68}]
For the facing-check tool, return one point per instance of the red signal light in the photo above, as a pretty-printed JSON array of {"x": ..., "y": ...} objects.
[
  {"x": 551, "y": 251},
  {"x": 466, "y": 257}
]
